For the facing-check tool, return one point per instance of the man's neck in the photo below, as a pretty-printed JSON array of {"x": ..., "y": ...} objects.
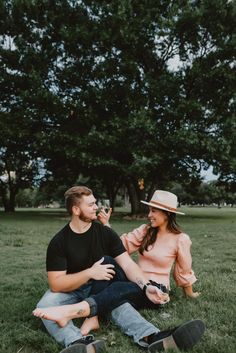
[{"x": 79, "y": 226}]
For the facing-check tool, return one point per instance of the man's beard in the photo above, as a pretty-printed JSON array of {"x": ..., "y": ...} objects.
[{"x": 83, "y": 218}]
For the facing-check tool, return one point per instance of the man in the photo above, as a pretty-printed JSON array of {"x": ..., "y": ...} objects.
[{"x": 74, "y": 263}]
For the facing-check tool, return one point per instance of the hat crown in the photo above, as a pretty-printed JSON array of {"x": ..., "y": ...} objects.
[{"x": 165, "y": 198}]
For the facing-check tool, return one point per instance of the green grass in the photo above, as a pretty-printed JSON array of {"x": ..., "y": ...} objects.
[{"x": 23, "y": 240}]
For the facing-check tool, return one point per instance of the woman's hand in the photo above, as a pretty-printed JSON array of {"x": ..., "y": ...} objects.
[
  {"x": 156, "y": 296},
  {"x": 104, "y": 216},
  {"x": 190, "y": 293}
]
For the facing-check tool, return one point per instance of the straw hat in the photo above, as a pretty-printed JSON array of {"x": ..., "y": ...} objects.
[{"x": 164, "y": 200}]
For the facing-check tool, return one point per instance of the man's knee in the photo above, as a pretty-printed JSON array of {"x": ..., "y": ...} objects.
[{"x": 50, "y": 299}]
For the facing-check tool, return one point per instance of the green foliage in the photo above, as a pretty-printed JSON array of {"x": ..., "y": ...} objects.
[
  {"x": 88, "y": 88},
  {"x": 27, "y": 102}
]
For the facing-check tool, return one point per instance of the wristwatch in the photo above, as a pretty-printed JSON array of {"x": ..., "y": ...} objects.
[
  {"x": 160, "y": 286},
  {"x": 145, "y": 287}
]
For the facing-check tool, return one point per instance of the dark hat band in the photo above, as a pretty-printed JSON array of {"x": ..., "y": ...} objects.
[{"x": 162, "y": 205}]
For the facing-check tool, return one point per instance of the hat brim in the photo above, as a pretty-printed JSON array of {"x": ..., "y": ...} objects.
[{"x": 161, "y": 208}]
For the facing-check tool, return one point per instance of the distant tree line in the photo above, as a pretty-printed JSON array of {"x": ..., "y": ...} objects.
[
  {"x": 204, "y": 194},
  {"x": 89, "y": 94}
]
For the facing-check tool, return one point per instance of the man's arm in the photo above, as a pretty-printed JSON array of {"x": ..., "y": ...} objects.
[
  {"x": 135, "y": 274},
  {"x": 132, "y": 270},
  {"x": 60, "y": 281}
]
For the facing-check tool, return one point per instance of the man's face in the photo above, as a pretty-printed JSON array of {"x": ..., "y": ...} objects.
[{"x": 86, "y": 209}]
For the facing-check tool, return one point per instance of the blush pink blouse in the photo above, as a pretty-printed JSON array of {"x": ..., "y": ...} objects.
[{"x": 169, "y": 249}]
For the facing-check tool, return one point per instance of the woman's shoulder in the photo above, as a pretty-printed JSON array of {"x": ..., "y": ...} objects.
[
  {"x": 141, "y": 230},
  {"x": 143, "y": 227},
  {"x": 137, "y": 233},
  {"x": 183, "y": 238}
]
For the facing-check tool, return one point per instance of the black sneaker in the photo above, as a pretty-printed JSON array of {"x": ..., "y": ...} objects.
[
  {"x": 85, "y": 344},
  {"x": 183, "y": 337}
]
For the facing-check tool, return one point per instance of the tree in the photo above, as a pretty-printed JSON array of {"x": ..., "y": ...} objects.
[
  {"x": 116, "y": 95},
  {"x": 206, "y": 34},
  {"x": 27, "y": 101},
  {"x": 105, "y": 101}
]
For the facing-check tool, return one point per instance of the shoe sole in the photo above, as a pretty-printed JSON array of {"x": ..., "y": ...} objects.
[
  {"x": 95, "y": 347},
  {"x": 183, "y": 338}
]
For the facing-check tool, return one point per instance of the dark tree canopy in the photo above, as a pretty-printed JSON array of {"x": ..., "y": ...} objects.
[{"x": 89, "y": 88}]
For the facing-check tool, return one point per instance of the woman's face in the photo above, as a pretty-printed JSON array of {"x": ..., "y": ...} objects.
[{"x": 157, "y": 218}]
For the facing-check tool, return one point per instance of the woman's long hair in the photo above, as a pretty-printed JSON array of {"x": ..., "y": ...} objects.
[{"x": 151, "y": 235}]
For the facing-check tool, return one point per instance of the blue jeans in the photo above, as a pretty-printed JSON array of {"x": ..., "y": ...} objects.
[{"x": 124, "y": 315}]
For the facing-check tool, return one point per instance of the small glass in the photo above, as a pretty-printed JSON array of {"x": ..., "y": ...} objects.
[{"x": 105, "y": 204}]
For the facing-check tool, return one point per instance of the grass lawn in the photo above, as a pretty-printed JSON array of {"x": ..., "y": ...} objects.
[{"x": 25, "y": 234}]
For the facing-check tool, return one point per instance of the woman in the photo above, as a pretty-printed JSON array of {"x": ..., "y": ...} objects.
[{"x": 161, "y": 244}]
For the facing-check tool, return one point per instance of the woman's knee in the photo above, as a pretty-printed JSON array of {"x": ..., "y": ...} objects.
[
  {"x": 109, "y": 260},
  {"x": 120, "y": 275}
]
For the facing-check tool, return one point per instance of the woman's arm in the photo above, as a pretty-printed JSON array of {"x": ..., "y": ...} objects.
[
  {"x": 104, "y": 216},
  {"x": 183, "y": 273},
  {"x": 135, "y": 274},
  {"x": 188, "y": 291},
  {"x": 132, "y": 240}
]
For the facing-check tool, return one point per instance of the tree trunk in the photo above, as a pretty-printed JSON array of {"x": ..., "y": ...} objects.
[
  {"x": 9, "y": 206},
  {"x": 133, "y": 196},
  {"x": 112, "y": 190},
  {"x": 8, "y": 201},
  {"x": 142, "y": 196},
  {"x": 152, "y": 189}
]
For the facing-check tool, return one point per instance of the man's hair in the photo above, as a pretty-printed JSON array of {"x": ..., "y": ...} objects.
[{"x": 74, "y": 195}]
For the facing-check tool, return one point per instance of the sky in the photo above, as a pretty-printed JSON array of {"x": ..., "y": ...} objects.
[{"x": 208, "y": 174}]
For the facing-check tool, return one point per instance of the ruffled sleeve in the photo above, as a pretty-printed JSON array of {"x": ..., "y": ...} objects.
[
  {"x": 183, "y": 273},
  {"x": 133, "y": 239}
]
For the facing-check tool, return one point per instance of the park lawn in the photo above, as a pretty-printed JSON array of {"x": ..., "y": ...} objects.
[{"x": 24, "y": 236}]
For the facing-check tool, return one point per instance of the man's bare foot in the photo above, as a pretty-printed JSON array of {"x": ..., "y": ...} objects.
[
  {"x": 62, "y": 314},
  {"x": 89, "y": 324}
]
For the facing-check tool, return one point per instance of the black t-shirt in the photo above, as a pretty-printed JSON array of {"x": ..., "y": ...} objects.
[{"x": 75, "y": 252}]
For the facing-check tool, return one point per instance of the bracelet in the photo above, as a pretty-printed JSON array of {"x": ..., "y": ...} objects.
[
  {"x": 145, "y": 287},
  {"x": 162, "y": 287}
]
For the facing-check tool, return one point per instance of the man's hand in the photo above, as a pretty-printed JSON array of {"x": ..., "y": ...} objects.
[
  {"x": 102, "y": 272},
  {"x": 156, "y": 296},
  {"x": 104, "y": 216}
]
